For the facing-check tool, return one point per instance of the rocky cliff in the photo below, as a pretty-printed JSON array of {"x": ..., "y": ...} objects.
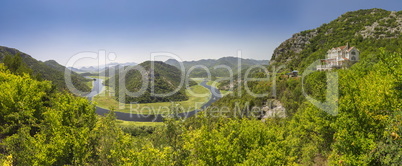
[{"x": 368, "y": 30}]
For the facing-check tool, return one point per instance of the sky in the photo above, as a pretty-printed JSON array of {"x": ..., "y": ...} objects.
[{"x": 189, "y": 29}]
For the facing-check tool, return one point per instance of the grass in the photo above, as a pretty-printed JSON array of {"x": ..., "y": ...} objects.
[
  {"x": 198, "y": 80},
  {"x": 216, "y": 85},
  {"x": 89, "y": 84},
  {"x": 225, "y": 92},
  {"x": 198, "y": 95},
  {"x": 123, "y": 123},
  {"x": 213, "y": 84}
]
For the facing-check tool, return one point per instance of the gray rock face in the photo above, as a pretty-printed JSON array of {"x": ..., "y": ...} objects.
[
  {"x": 356, "y": 25},
  {"x": 273, "y": 109},
  {"x": 292, "y": 46},
  {"x": 387, "y": 27}
]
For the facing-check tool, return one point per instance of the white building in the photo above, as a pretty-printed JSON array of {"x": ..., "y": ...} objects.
[{"x": 337, "y": 57}]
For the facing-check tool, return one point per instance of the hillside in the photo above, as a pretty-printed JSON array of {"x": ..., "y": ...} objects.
[
  {"x": 115, "y": 69},
  {"x": 49, "y": 70},
  {"x": 367, "y": 30},
  {"x": 231, "y": 62},
  {"x": 166, "y": 79},
  {"x": 363, "y": 126},
  {"x": 374, "y": 32}
]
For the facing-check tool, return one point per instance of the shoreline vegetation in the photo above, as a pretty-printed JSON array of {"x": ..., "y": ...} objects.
[{"x": 105, "y": 100}]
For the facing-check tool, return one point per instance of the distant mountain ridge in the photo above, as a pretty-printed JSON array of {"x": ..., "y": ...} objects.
[
  {"x": 48, "y": 70},
  {"x": 112, "y": 70},
  {"x": 231, "y": 62},
  {"x": 100, "y": 68}
]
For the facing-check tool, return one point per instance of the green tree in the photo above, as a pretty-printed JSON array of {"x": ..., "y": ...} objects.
[{"x": 16, "y": 65}]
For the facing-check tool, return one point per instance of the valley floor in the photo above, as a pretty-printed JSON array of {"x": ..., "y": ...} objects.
[{"x": 198, "y": 96}]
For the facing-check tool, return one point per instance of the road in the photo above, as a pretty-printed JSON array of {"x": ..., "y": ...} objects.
[{"x": 154, "y": 117}]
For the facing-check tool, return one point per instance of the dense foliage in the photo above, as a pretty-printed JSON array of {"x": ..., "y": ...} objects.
[
  {"x": 42, "y": 127},
  {"x": 49, "y": 70}
]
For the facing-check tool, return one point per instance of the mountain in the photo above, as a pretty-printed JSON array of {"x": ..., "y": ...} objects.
[
  {"x": 231, "y": 62},
  {"x": 121, "y": 64},
  {"x": 100, "y": 68},
  {"x": 166, "y": 79},
  {"x": 371, "y": 31},
  {"x": 348, "y": 120},
  {"x": 49, "y": 70},
  {"x": 55, "y": 65},
  {"x": 366, "y": 30},
  {"x": 115, "y": 68},
  {"x": 76, "y": 70}
]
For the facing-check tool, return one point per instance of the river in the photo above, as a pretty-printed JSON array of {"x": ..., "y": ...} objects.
[{"x": 97, "y": 88}]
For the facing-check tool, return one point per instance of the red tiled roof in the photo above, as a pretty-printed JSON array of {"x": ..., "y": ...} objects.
[{"x": 341, "y": 47}]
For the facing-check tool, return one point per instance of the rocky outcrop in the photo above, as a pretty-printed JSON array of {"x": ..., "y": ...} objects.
[
  {"x": 293, "y": 46},
  {"x": 354, "y": 27},
  {"x": 273, "y": 109},
  {"x": 387, "y": 27}
]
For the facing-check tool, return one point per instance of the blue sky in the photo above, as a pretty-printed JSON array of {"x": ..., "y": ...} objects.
[{"x": 192, "y": 30}]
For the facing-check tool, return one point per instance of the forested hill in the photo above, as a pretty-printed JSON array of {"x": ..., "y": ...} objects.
[
  {"x": 166, "y": 79},
  {"x": 231, "y": 62},
  {"x": 366, "y": 129},
  {"x": 366, "y": 30},
  {"x": 49, "y": 70}
]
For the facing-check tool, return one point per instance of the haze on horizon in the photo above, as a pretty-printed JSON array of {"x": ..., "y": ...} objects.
[{"x": 208, "y": 29}]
